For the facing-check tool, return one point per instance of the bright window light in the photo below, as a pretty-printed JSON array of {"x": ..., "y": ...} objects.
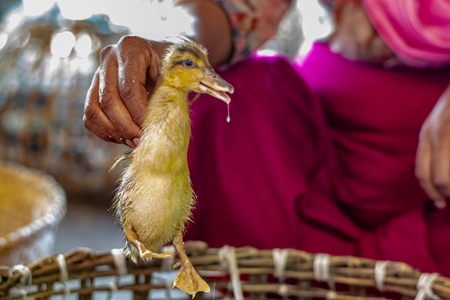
[{"x": 62, "y": 44}]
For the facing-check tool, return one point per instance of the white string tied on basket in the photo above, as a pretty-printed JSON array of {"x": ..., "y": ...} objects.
[
  {"x": 228, "y": 261},
  {"x": 120, "y": 262},
  {"x": 120, "y": 265},
  {"x": 26, "y": 276},
  {"x": 425, "y": 287},
  {"x": 321, "y": 269},
  {"x": 283, "y": 290},
  {"x": 380, "y": 274},
  {"x": 113, "y": 287},
  {"x": 167, "y": 263},
  {"x": 167, "y": 266},
  {"x": 63, "y": 272},
  {"x": 280, "y": 258},
  {"x": 331, "y": 295}
]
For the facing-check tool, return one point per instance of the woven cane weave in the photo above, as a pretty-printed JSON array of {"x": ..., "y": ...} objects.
[
  {"x": 46, "y": 67},
  {"x": 32, "y": 205},
  {"x": 232, "y": 273}
]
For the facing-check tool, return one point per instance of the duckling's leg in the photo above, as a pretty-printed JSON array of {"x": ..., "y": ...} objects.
[
  {"x": 144, "y": 253},
  {"x": 187, "y": 278}
]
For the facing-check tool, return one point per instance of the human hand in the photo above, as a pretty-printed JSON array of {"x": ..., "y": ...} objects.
[
  {"x": 433, "y": 154},
  {"x": 355, "y": 37},
  {"x": 119, "y": 92}
]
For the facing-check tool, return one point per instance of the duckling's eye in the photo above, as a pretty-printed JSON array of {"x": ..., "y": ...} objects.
[{"x": 188, "y": 63}]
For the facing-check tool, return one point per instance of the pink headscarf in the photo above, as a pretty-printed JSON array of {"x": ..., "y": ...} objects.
[{"x": 418, "y": 31}]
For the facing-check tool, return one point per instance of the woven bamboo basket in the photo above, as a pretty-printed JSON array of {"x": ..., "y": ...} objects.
[
  {"x": 232, "y": 273},
  {"x": 31, "y": 206}
]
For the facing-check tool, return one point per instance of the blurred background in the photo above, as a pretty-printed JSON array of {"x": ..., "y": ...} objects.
[{"x": 48, "y": 53}]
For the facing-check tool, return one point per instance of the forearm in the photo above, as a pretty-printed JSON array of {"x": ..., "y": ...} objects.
[
  {"x": 231, "y": 30},
  {"x": 204, "y": 21},
  {"x": 211, "y": 28}
]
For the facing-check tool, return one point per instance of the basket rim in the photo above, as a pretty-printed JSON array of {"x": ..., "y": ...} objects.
[
  {"x": 55, "y": 212},
  {"x": 298, "y": 277}
]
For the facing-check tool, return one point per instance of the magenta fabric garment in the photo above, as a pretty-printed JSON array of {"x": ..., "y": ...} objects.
[
  {"x": 416, "y": 30},
  {"x": 250, "y": 174},
  {"x": 375, "y": 115},
  {"x": 332, "y": 173}
]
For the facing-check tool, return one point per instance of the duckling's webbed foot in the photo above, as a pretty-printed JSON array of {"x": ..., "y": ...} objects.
[
  {"x": 144, "y": 253},
  {"x": 187, "y": 278}
]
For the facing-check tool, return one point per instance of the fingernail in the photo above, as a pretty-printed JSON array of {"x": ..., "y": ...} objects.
[
  {"x": 441, "y": 204},
  {"x": 130, "y": 144},
  {"x": 136, "y": 141}
]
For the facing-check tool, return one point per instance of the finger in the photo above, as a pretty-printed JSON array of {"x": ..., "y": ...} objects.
[
  {"x": 158, "y": 82},
  {"x": 136, "y": 72},
  {"x": 153, "y": 71},
  {"x": 423, "y": 171},
  {"x": 112, "y": 104},
  {"x": 153, "y": 76},
  {"x": 94, "y": 119},
  {"x": 441, "y": 162}
]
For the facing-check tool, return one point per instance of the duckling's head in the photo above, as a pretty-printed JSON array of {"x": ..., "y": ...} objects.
[{"x": 186, "y": 67}]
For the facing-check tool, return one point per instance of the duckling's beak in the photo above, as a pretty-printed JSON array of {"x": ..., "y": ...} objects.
[{"x": 214, "y": 85}]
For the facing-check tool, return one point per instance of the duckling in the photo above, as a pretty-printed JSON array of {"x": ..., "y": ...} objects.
[{"x": 154, "y": 199}]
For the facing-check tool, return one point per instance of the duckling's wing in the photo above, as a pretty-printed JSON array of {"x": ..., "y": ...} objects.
[{"x": 120, "y": 159}]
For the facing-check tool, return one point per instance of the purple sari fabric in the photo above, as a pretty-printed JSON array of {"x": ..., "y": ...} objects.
[{"x": 319, "y": 157}]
